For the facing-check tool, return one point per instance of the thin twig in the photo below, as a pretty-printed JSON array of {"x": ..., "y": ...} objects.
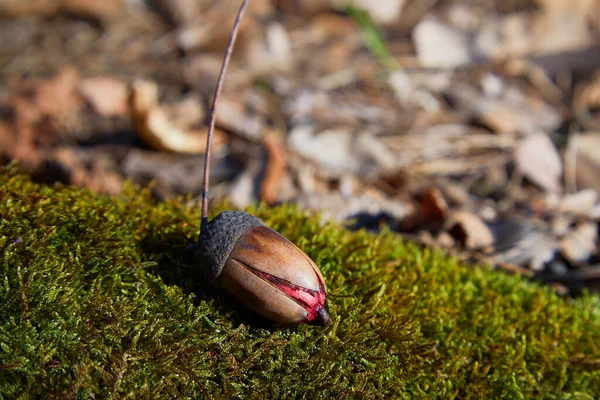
[{"x": 213, "y": 112}]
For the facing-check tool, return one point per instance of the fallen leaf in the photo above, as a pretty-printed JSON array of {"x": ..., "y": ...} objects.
[
  {"x": 537, "y": 158},
  {"x": 58, "y": 97},
  {"x": 275, "y": 170},
  {"x": 469, "y": 230},
  {"x": 106, "y": 95},
  {"x": 169, "y": 127}
]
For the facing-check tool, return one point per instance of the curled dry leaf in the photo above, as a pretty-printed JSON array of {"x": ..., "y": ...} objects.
[
  {"x": 538, "y": 159},
  {"x": 169, "y": 127},
  {"x": 468, "y": 229}
]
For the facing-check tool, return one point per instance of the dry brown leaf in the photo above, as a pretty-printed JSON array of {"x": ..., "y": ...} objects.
[
  {"x": 537, "y": 158},
  {"x": 469, "y": 230},
  {"x": 58, "y": 97},
  {"x": 107, "y": 96},
  {"x": 275, "y": 171},
  {"x": 159, "y": 126},
  {"x": 47, "y": 112}
]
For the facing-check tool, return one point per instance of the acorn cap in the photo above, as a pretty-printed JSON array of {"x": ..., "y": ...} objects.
[{"x": 219, "y": 238}]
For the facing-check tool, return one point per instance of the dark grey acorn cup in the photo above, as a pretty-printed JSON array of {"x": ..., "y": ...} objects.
[{"x": 219, "y": 238}]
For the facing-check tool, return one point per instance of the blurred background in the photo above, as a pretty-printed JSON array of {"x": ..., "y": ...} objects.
[{"x": 469, "y": 125}]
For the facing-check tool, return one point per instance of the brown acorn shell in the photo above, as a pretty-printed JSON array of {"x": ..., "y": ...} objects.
[
  {"x": 260, "y": 295},
  {"x": 219, "y": 238},
  {"x": 266, "y": 250}
]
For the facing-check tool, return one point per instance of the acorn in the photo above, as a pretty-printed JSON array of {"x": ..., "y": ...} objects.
[
  {"x": 262, "y": 269},
  {"x": 251, "y": 261}
]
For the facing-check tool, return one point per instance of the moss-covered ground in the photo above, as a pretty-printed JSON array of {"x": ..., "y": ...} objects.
[{"x": 94, "y": 300}]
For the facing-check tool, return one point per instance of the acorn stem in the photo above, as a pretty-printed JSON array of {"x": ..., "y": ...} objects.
[{"x": 213, "y": 112}]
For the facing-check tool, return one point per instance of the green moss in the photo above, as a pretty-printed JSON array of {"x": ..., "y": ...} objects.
[{"x": 92, "y": 303}]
